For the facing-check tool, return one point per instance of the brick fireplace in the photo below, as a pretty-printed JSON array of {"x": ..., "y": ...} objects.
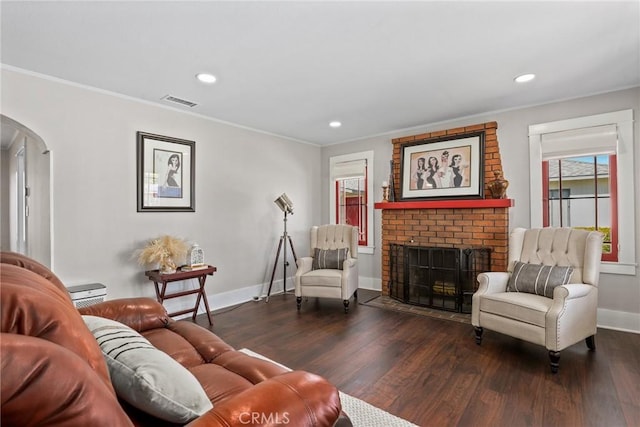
[{"x": 448, "y": 223}]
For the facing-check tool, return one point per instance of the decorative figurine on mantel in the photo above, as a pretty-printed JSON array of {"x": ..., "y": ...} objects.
[
  {"x": 498, "y": 186},
  {"x": 385, "y": 191}
]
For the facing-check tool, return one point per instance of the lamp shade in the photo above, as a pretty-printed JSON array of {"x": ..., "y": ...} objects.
[{"x": 284, "y": 203}]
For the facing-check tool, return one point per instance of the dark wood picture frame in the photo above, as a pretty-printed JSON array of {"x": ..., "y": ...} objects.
[
  {"x": 450, "y": 167},
  {"x": 166, "y": 173}
]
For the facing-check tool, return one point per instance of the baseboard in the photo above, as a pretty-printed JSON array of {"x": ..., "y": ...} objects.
[
  {"x": 222, "y": 300},
  {"x": 370, "y": 283},
  {"x": 619, "y": 320},
  {"x": 258, "y": 292}
]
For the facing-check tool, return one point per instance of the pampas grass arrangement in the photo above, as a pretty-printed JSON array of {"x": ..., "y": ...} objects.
[{"x": 164, "y": 251}]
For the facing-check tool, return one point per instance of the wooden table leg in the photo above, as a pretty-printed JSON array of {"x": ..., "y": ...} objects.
[
  {"x": 204, "y": 297},
  {"x": 202, "y": 294},
  {"x": 195, "y": 309},
  {"x": 157, "y": 292},
  {"x": 161, "y": 281}
]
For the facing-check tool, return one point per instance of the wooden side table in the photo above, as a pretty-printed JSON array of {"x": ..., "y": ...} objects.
[{"x": 164, "y": 279}]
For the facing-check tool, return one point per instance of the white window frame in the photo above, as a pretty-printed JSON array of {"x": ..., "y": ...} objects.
[
  {"x": 626, "y": 195},
  {"x": 363, "y": 155}
]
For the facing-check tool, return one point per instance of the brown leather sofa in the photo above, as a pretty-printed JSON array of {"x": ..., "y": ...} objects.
[{"x": 53, "y": 371}]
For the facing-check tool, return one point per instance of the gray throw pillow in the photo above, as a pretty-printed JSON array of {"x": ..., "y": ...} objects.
[
  {"x": 329, "y": 258},
  {"x": 538, "y": 279},
  {"x": 146, "y": 377}
]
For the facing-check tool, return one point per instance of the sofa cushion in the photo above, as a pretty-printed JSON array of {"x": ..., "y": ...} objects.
[
  {"x": 331, "y": 259},
  {"x": 328, "y": 278},
  {"x": 32, "y": 305},
  {"x": 45, "y": 384},
  {"x": 519, "y": 306},
  {"x": 146, "y": 377},
  {"x": 537, "y": 278},
  {"x": 23, "y": 261}
]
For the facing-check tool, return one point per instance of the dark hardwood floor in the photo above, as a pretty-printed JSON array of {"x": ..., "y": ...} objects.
[{"x": 431, "y": 372}]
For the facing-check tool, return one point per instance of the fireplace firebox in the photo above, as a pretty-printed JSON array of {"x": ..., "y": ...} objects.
[{"x": 436, "y": 277}]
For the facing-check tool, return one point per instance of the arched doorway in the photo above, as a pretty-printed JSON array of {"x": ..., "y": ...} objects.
[{"x": 25, "y": 194}]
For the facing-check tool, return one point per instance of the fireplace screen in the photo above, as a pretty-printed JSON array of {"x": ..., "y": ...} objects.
[{"x": 443, "y": 278}]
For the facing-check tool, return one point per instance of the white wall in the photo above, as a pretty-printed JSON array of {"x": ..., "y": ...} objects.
[
  {"x": 96, "y": 229},
  {"x": 619, "y": 296}
]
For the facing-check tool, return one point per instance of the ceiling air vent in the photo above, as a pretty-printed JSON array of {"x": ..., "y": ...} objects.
[{"x": 180, "y": 101}]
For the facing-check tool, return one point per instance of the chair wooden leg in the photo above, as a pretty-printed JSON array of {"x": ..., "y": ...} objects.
[
  {"x": 346, "y": 305},
  {"x": 479, "y": 332},
  {"x": 355, "y": 294},
  {"x": 554, "y": 357},
  {"x": 591, "y": 342},
  {"x": 298, "y": 302}
]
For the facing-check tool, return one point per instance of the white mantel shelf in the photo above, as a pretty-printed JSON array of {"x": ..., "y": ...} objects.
[{"x": 448, "y": 204}]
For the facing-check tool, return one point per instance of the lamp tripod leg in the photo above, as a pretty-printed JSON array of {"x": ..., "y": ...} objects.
[
  {"x": 275, "y": 265},
  {"x": 286, "y": 238},
  {"x": 293, "y": 251}
]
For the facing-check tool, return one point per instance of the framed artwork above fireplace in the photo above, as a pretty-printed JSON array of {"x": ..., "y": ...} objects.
[{"x": 450, "y": 167}]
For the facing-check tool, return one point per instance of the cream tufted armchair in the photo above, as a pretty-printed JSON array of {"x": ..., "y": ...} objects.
[
  {"x": 332, "y": 269},
  {"x": 524, "y": 303}
]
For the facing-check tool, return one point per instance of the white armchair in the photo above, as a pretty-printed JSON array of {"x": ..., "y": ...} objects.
[
  {"x": 332, "y": 269},
  {"x": 531, "y": 301}
]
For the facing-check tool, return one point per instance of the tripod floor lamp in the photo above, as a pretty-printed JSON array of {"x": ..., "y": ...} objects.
[{"x": 285, "y": 204}]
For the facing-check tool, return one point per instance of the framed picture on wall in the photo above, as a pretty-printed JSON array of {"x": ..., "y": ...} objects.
[
  {"x": 166, "y": 173},
  {"x": 443, "y": 168}
]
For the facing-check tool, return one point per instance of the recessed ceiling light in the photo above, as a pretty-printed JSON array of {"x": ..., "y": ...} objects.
[
  {"x": 335, "y": 124},
  {"x": 206, "y": 78},
  {"x": 525, "y": 78}
]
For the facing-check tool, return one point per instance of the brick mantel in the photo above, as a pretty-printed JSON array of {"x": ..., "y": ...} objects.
[
  {"x": 452, "y": 204},
  {"x": 449, "y": 223}
]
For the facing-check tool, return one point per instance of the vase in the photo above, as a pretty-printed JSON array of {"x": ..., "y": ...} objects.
[
  {"x": 498, "y": 186},
  {"x": 167, "y": 266}
]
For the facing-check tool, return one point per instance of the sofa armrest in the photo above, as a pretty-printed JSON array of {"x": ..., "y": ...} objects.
[
  {"x": 572, "y": 316},
  {"x": 572, "y": 290},
  {"x": 488, "y": 283},
  {"x": 304, "y": 265},
  {"x": 139, "y": 314},
  {"x": 349, "y": 277},
  {"x": 349, "y": 263},
  {"x": 295, "y": 398},
  {"x": 492, "y": 282}
]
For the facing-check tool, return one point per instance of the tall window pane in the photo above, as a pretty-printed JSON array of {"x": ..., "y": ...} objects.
[
  {"x": 352, "y": 205},
  {"x": 579, "y": 195}
]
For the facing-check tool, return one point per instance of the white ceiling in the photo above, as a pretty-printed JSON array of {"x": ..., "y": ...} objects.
[{"x": 288, "y": 68}]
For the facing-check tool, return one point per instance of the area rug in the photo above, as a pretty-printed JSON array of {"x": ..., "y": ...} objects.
[
  {"x": 389, "y": 303},
  {"x": 361, "y": 413}
]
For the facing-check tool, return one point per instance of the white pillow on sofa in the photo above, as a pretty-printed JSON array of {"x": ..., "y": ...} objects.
[{"x": 146, "y": 377}]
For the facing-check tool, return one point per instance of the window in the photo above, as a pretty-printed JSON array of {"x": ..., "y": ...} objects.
[
  {"x": 350, "y": 191},
  {"x": 351, "y": 204},
  {"x": 581, "y": 192},
  {"x": 577, "y": 172}
]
